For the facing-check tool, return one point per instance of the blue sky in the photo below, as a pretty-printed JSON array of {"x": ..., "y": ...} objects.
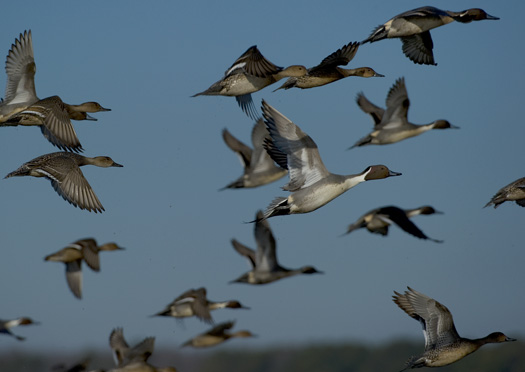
[{"x": 145, "y": 61}]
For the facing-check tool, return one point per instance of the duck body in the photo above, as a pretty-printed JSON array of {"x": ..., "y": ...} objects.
[
  {"x": 195, "y": 303},
  {"x": 413, "y": 27},
  {"x": 515, "y": 191},
  {"x": 216, "y": 335}
]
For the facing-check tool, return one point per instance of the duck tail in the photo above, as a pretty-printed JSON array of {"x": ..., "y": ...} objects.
[
  {"x": 379, "y": 33},
  {"x": 278, "y": 207},
  {"x": 22, "y": 171}
]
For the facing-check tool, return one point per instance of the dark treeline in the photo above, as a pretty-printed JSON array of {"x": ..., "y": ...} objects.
[{"x": 348, "y": 357}]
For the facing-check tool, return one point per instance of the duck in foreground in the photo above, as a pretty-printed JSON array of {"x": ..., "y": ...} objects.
[
  {"x": 378, "y": 220},
  {"x": 443, "y": 345},
  {"x": 265, "y": 267},
  {"x": 195, "y": 303},
  {"x": 63, "y": 170},
  {"x": 514, "y": 191},
  {"x": 392, "y": 125},
  {"x": 72, "y": 256},
  {"x": 413, "y": 26},
  {"x": 259, "y": 168},
  {"x": 328, "y": 71},
  {"x": 6, "y": 325},
  {"x": 249, "y": 73},
  {"x": 216, "y": 335},
  {"x": 20, "y": 68},
  {"x": 311, "y": 184}
]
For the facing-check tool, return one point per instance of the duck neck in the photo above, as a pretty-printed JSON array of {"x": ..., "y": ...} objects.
[{"x": 353, "y": 180}]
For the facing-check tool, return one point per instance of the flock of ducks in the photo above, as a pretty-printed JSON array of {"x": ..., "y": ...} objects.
[
  {"x": 21, "y": 106},
  {"x": 279, "y": 147}
]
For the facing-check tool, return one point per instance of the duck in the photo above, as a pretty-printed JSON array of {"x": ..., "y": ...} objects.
[
  {"x": 124, "y": 354},
  {"x": 514, "y": 191},
  {"x": 53, "y": 116},
  {"x": 413, "y": 28},
  {"x": 90, "y": 251},
  {"x": 216, "y": 335},
  {"x": 378, "y": 220},
  {"x": 259, "y": 168},
  {"x": 392, "y": 125},
  {"x": 20, "y": 68},
  {"x": 6, "y": 325},
  {"x": 72, "y": 256},
  {"x": 133, "y": 359},
  {"x": 194, "y": 302},
  {"x": 250, "y": 73},
  {"x": 443, "y": 344},
  {"x": 311, "y": 184},
  {"x": 328, "y": 71},
  {"x": 265, "y": 267},
  {"x": 63, "y": 170}
]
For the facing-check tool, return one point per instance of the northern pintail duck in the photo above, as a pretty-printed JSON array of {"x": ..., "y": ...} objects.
[
  {"x": 413, "y": 26},
  {"x": 195, "y": 303},
  {"x": 53, "y": 116},
  {"x": 328, "y": 71},
  {"x": 378, "y": 220},
  {"x": 133, "y": 359},
  {"x": 392, "y": 125},
  {"x": 311, "y": 184},
  {"x": 124, "y": 354},
  {"x": 20, "y": 68},
  {"x": 249, "y": 73},
  {"x": 514, "y": 191},
  {"x": 443, "y": 344},
  {"x": 265, "y": 267},
  {"x": 6, "y": 325},
  {"x": 90, "y": 251},
  {"x": 63, "y": 170},
  {"x": 259, "y": 168},
  {"x": 216, "y": 335},
  {"x": 72, "y": 256}
]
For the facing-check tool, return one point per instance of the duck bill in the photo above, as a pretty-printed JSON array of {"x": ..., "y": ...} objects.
[
  {"x": 378, "y": 75},
  {"x": 392, "y": 174},
  {"x": 492, "y": 17},
  {"x": 117, "y": 165},
  {"x": 508, "y": 339}
]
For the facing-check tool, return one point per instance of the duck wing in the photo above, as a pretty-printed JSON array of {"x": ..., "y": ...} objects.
[
  {"x": 245, "y": 251},
  {"x": 418, "y": 48},
  {"x": 288, "y": 141},
  {"x": 368, "y": 107},
  {"x": 266, "y": 258},
  {"x": 340, "y": 57},
  {"x": 436, "y": 319},
  {"x": 397, "y": 104},
  {"x": 253, "y": 62},
  {"x": 20, "y": 68}
]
